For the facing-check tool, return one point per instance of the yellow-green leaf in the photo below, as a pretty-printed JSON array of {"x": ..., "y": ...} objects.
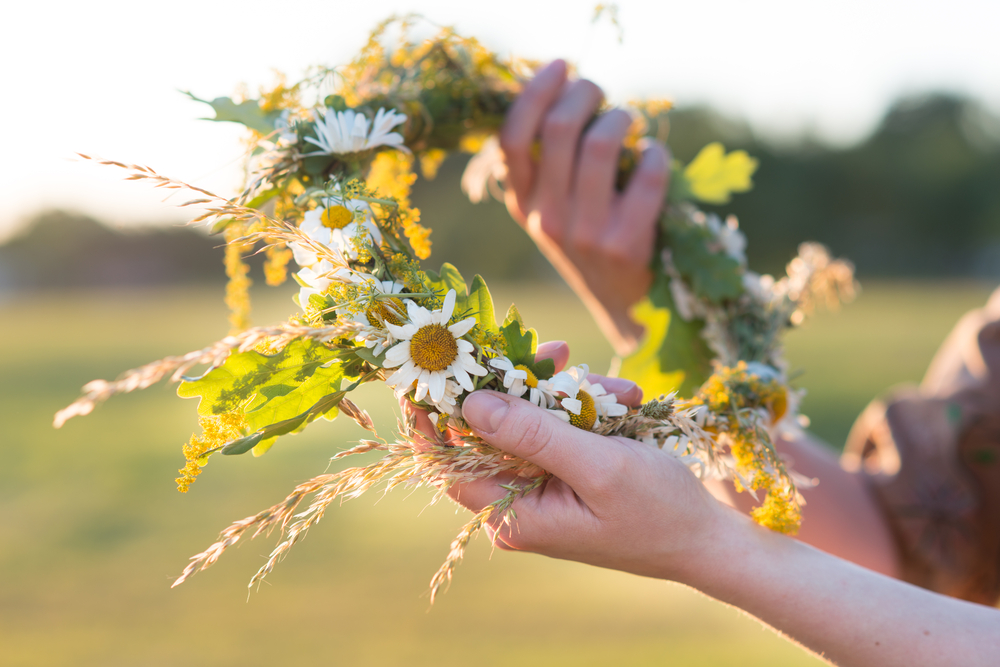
[
  {"x": 673, "y": 354},
  {"x": 714, "y": 175}
]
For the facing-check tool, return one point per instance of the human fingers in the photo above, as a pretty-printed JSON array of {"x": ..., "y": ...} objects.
[
  {"x": 561, "y": 132},
  {"x": 556, "y": 350},
  {"x": 594, "y": 184},
  {"x": 634, "y": 228},
  {"x": 523, "y": 124},
  {"x": 580, "y": 458},
  {"x": 625, "y": 391}
]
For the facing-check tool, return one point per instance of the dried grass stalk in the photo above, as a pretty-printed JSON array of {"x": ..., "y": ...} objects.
[
  {"x": 406, "y": 464},
  {"x": 215, "y": 354}
]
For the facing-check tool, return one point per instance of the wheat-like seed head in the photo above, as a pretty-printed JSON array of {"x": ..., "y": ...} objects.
[{"x": 215, "y": 354}]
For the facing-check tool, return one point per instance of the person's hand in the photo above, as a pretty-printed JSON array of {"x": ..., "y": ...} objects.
[
  {"x": 613, "y": 502},
  {"x": 600, "y": 240}
]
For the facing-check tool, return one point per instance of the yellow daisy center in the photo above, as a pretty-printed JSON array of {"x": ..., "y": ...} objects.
[
  {"x": 336, "y": 217},
  {"x": 381, "y": 311},
  {"x": 778, "y": 405},
  {"x": 532, "y": 381},
  {"x": 433, "y": 347},
  {"x": 588, "y": 412}
]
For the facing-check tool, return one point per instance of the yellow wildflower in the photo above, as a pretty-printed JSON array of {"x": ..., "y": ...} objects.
[
  {"x": 238, "y": 287},
  {"x": 217, "y": 430}
]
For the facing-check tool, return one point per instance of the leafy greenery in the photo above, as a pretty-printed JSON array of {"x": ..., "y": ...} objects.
[
  {"x": 713, "y": 176},
  {"x": 711, "y": 273},
  {"x": 673, "y": 355},
  {"x": 480, "y": 305},
  {"x": 248, "y": 113},
  {"x": 521, "y": 345},
  {"x": 278, "y": 393}
]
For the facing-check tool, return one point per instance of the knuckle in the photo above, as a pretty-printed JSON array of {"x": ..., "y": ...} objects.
[
  {"x": 601, "y": 147},
  {"x": 512, "y": 142},
  {"x": 619, "y": 253},
  {"x": 529, "y": 435},
  {"x": 558, "y": 127},
  {"x": 652, "y": 178},
  {"x": 585, "y": 244}
]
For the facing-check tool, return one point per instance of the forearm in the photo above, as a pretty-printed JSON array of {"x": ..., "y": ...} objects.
[
  {"x": 840, "y": 611},
  {"x": 841, "y": 515}
]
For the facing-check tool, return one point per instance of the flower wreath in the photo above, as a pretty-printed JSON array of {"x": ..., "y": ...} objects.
[{"x": 328, "y": 186}]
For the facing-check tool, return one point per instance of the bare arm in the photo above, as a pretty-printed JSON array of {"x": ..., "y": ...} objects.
[
  {"x": 620, "y": 504},
  {"x": 845, "y": 613},
  {"x": 841, "y": 515}
]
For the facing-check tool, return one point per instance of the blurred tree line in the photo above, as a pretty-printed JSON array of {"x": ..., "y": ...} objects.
[{"x": 919, "y": 197}]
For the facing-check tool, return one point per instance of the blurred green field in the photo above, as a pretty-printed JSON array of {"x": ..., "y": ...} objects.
[{"x": 93, "y": 532}]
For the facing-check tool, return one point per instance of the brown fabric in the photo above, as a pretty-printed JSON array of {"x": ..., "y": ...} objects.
[{"x": 933, "y": 456}]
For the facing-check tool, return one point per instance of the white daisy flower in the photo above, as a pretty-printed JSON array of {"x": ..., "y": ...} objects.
[
  {"x": 449, "y": 404},
  {"x": 336, "y": 228},
  {"x": 340, "y": 132},
  {"x": 519, "y": 380},
  {"x": 316, "y": 278},
  {"x": 585, "y": 403},
  {"x": 515, "y": 378},
  {"x": 380, "y": 312},
  {"x": 430, "y": 351}
]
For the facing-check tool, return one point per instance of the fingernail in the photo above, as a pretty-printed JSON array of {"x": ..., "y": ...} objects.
[{"x": 484, "y": 411}]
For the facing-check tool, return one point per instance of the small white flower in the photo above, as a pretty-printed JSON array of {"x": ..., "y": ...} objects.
[
  {"x": 521, "y": 380},
  {"x": 514, "y": 379},
  {"x": 316, "y": 278},
  {"x": 585, "y": 403},
  {"x": 449, "y": 404},
  {"x": 728, "y": 236},
  {"x": 335, "y": 232},
  {"x": 380, "y": 312},
  {"x": 430, "y": 351},
  {"x": 340, "y": 132}
]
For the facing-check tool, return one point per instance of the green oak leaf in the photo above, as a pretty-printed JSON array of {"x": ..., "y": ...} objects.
[
  {"x": 713, "y": 275},
  {"x": 480, "y": 305},
  {"x": 673, "y": 355},
  {"x": 520, "y": 345},
  {"x": 247, "y": 112},
  {"x": 448, "y": 278},
  {"x": 513, "y": 315},
  {"x": 268, "y": 388},
  {"x": 260, "y": 440}
]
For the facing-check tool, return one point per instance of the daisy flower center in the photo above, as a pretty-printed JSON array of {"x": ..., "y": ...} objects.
[
  {"x": 778, "y": 405},
  {"x": 381, "y": 312},
  {"x": 336, "y": 217},
  {"x": 434, "y": 348},
  {"x": 588, "y": 412},
  {"x": 531, "y": 381}
]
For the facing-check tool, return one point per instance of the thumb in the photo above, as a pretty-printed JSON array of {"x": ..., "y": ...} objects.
[{"x": 527, "y": 431}]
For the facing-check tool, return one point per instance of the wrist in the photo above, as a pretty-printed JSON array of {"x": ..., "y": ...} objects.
[{"x": 721, "y": 553}]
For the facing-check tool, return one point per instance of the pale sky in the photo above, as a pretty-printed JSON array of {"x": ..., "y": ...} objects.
[{"x": 102, "y": 77}]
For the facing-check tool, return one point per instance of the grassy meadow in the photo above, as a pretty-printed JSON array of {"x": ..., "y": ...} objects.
[{"x": 92, "y": 530}]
